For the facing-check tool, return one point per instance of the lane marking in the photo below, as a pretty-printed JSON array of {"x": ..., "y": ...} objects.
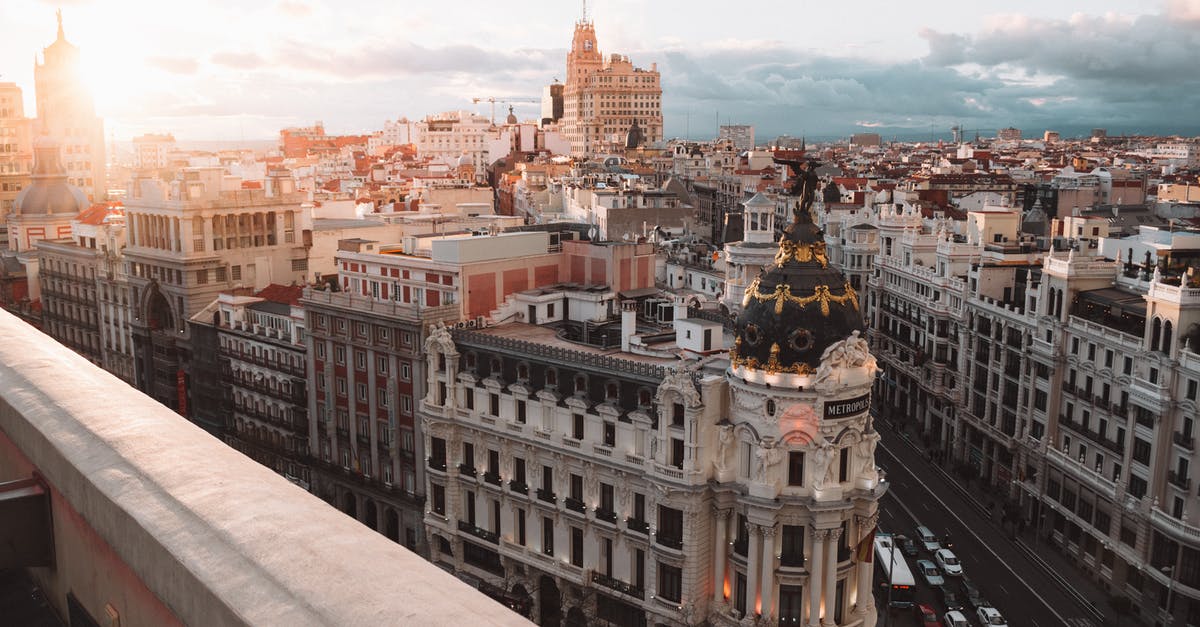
[{"x": 971, "y": 530}]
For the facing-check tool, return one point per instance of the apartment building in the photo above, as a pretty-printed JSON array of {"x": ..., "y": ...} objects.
[{"x": 16, "y": 146}]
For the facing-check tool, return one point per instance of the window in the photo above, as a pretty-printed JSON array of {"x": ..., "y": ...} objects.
[
  {"x": 469, "y": 505},
  {"x": 577, "y": 426},
  {"x": 360, "y": 360},
  {"x": 577, "y": 547},
  {"x": 1141, "y": 451},
  {"x": 792, "y": 552},
  {"x": 670, "y": 582},
  {"x": 639, "y": 506},
  {"x": 610, "y": 434},
  {"x": 796, "y": 468},
  {"x": 547, "y": 480},
  {"x": 339, "y": 355},
  {"x": 468, "y": 458},
  {"x": 547, "y": 535},
  {"x": 677, "y": 415},
  {"x": 520, "y": 527},
  {"x": 439, "y": 499},
  {"x": 494, "y": 404},
  {"x": 577, "y": 487},
  {"x": 670, "y": 526},
  {"x": 361, "y": 389},
  {"x": 677, "y": 451},
  {"x": 521, "y": 412}
]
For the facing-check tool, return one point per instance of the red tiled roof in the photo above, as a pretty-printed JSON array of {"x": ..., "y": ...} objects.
[
  {"x": 95, "y": 214},
  {"x": 287, "y": 294},
  {"x": 252, "y": 185}
]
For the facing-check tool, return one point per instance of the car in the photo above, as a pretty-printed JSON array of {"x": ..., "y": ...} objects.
[
  {"x": 990, "y": 617},
  {"x": 972, "y": 593},
  {"x": 948, "y": 562},
  {"x": 929, "y": 572},
  {"x": 950, "y": 599},
  {"x": 955, "y": 618},
  {"x": 907, "y": 545},
  {"x": 926, "y": 616},
  {"x": 928, "y": 541}
]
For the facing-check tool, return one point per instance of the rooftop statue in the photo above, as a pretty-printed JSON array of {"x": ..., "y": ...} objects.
[{"x": 805, "y": 185}]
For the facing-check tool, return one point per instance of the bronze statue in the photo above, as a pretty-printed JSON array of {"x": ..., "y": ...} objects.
[{"x": 805, "y": 185}]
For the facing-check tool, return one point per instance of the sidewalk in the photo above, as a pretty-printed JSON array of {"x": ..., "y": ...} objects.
[{"x": 991, "y": 504}]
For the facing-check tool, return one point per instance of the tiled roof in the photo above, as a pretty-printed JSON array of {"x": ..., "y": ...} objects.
[{"x": 289, "y": 294}]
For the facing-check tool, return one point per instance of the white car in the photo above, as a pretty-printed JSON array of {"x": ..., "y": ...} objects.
[
  {"x": 990, "y": 617},
  {"x": 930, "y": 573},
  {"x": 955, "y": 618},
  {"x": 948, "y": 562},
  {"x": 928, "y": 541}
]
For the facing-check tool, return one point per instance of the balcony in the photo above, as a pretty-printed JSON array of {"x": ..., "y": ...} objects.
[
  {"x": 1185, "y": 441},
  {"x": 478, "y": 532},
  {"x": 437, "y": 464},
  {"x": 576, "y": 505},
  {"x": 464, "y": 469},
  {"x": 546, "y": 496},
  {"x": 493, "y": 478},
  {"x": 640, "y": 526},
  {"x": 607, "y": 515},
  {"x": 611, "y": 583},
  {"x": 1183, "y": 482},
  {"x": 670, "y": 542},
  {"x": 519, "y": 487},
  {"x": 128, "y": 508}
]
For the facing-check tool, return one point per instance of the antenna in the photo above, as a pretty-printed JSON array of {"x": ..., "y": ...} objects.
[{"x": 585, "y": 11}]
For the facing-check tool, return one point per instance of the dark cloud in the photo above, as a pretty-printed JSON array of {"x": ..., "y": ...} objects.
[{"x": 174, "y": 65}]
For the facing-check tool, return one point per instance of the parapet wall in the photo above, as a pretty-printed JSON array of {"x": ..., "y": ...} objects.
[{"x": 162, "y": 523}]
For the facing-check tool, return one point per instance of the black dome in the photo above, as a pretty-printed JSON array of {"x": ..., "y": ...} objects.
[{"x": 796, "y": 308}]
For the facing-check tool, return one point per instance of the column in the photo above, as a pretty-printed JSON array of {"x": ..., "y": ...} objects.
[
  {"x": 831, "y": 575},
  {"x": 866, "y": 601},
  {"x": 767, "y": 578},
  {"x": 814, "y": 576},
  {"x": 720, "y": 554},
  {"x": 752, "y": 558}
]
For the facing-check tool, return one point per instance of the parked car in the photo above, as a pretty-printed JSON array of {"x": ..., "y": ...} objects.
[
  {"x": 926, "y": 617},
  {"x": 990, "y": 617},
  {"x": 907, "y": 545},
  {"x": 950, "y": 599},
  {"x": 973, "y": 596},
  {"x": 929, "y": 572},
  {"x": 948, "y": 562},
  {"x": 955, "y": 618},
  {"x": 928, "y": 541}
]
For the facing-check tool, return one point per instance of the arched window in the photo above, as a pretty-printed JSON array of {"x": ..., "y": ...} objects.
[
  {"x": 580, "y": 384},
  {"x": 611, "y": 391},
  {"x": 1155, "y": 334},
  {"x": 551, "y": 376},
  {"x": 1166, "y": 337}
]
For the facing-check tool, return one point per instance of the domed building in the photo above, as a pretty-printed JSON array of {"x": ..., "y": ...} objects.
[
  {"x": 44, "y": 210},
  {"x": 645, "y": 489}
]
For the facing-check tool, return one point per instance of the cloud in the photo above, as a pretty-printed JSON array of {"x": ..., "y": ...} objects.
[
  {"x": 1184, "y": 11},
  {"x": 174, "y": 65},
  {"x": 295, "y": 8},
  {"x": 238, "y": 60},
  {"x": 384, "y": 60}
]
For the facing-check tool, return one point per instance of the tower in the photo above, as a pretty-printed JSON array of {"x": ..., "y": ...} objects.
[
  {"x": 66, "y": 112},
  {"x": 800, "y": 384},
  {"x": 747, "y": 258}
]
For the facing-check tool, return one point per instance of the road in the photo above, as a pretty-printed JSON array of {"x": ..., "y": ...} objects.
[{"x": 1005, "y": 570}]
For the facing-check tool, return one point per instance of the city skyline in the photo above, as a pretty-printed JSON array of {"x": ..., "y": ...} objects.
[{"x": 232, "y": 73}]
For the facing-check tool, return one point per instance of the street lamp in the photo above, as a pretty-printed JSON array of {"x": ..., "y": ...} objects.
[{"x": 1169, "y": 571}]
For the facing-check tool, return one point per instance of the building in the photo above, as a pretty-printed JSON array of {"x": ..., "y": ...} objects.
[
  {"x": 604, "y": 98},
  {"x": 16, "y": 146},
  {"x": 742, "y": 135},
  {"x": 752, "y": 253},
  {"x": 262, "y": 343},
  {"x": 461, "y": 138},
  {"x": 1009, "y": 134},
  {"x": 574, "y": 481},
  {"x": 152, "y": 152},
  {"x": 188, "y": 241},
  {"x": 1051, "y": 137},
  {"x": 66, "y": 113},
  {"x": 864, "y": 140},
  {"x": 552, "y": 103}
]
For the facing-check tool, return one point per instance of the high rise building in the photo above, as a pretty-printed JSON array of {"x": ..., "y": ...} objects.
[
  {"x": 606, "y": 97},
  {"x": 66, "y": 112},
  {"x": 552, "y": 103},
  {"x": 16, "y": 146},
  {"x": 742, "y": 135},
  {"x": 151, "y": 152}
]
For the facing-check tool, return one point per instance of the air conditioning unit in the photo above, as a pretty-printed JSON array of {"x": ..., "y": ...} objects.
[{"x": 471, "y": 324}]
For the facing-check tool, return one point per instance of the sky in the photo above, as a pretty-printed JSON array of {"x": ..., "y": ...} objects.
[{"x": 230, "y": 70}]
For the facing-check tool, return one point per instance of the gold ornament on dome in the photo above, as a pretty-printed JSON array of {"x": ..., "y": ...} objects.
[
  {"x": 773, "y": 365},
  {"x": 801, "y": 253},
  {"x": 783, "y": 294}
]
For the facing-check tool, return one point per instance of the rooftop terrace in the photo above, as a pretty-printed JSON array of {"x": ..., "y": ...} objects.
[{"x": 155, "y": 522}]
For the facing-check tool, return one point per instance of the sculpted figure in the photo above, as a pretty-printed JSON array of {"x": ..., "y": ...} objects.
[
  {"x": 768, "y": 455},
  {"x": 866, "y": 451},
  {"x": 724, "y": 443},
  {"x": 823, "y": 462}
]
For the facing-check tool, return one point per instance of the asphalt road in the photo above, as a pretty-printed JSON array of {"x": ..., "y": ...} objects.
[{"x": 1006, "y": 571}]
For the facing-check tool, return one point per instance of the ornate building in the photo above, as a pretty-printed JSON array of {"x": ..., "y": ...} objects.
[
  {"x": 604, "y": 98},
  {"x": 66, "y": 113},
  {"x": 16, "y": 146},
  {"x": 634, "y": 488}
]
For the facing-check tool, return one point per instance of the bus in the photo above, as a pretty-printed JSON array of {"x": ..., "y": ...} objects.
[{"x": 896, "y": 579}]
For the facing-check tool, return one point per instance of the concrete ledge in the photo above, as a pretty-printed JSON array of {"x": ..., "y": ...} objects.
[{"x": 216, "y": 538}]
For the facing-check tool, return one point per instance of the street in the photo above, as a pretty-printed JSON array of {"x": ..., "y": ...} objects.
[{"x": 1005, "y": 570}]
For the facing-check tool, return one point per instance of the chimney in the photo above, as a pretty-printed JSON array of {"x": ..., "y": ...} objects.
[
  {"x": 628, "y": 323},
  {"x": 681, "y": 308}
]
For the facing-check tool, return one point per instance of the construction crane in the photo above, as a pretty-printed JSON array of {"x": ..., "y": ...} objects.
[{"x": 494, "y": 99}]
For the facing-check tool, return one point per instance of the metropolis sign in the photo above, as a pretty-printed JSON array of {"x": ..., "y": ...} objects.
[{"x": 847, "y": 407}]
